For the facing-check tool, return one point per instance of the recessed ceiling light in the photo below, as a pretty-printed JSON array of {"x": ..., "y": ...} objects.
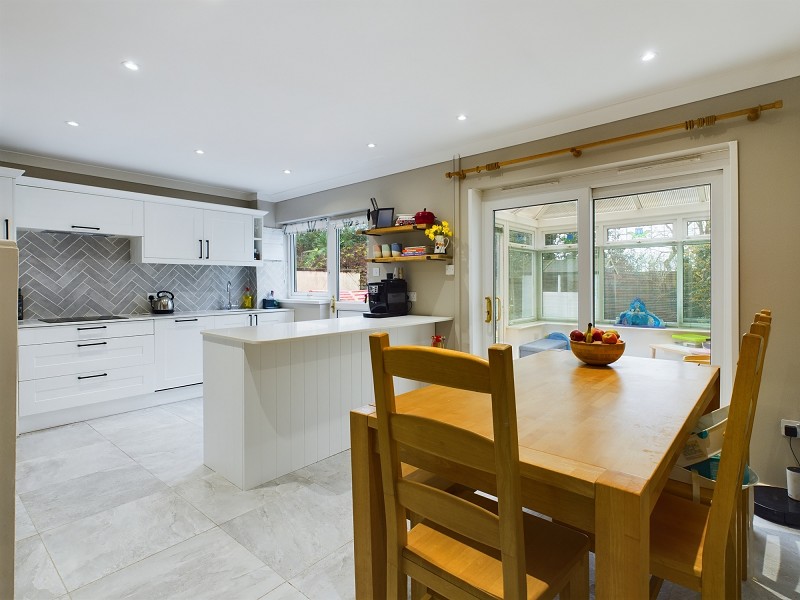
[
  {"x": 462, "y": 117},
  {"x": 370, "y": 145},
  {"x": 287, "y": 172},
  {"x": 72, "y": 123},
  {"x": 648, "y": 56},
  {"x": 198, "y": 151},
  {"x": 130, "y": 65}
]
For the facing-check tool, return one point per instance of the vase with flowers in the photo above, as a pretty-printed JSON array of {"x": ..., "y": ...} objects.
[{"x": 440, "y": 234}]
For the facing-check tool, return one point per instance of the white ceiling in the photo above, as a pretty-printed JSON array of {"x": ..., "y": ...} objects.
[{"x": 262, "y": 86}]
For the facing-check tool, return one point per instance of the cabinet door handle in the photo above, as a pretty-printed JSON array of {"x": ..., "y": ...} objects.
[
  {"x": 184, "y": 320},
  {"x": 207, "y": 246},
  {"x": 86, "y": 227},
  {"x": 201, "y": 248},
  {"x": 92, "y": 344},
  {"x": 92, "y": 376},
  {"x": 256, "y": 318},
  {"x": 88, "y": 328},
  {"x": 8, "y": 230}
]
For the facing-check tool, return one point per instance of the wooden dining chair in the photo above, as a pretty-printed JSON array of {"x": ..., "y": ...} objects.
[
  {"x": 694, "y": 544},
  {"x": 459, "y": 548}
]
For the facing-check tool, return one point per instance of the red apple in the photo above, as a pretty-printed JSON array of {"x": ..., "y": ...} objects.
[
  {"x": 597, "y": 334},
  {"x": 576, "y": 335},
  {"x": 610, "y": 337}
]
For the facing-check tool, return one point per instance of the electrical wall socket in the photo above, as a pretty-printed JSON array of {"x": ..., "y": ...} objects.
[
  {"x": 148, "y": 294},
  {"x": 450, "y": 270},
  {"x": 376, "y": 271},
  {"x": 790, "y": 423},
  {"x": 412, "y": 296}
]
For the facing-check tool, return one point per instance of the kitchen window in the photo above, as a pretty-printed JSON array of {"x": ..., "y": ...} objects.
[{"x": 329, "y": 259}]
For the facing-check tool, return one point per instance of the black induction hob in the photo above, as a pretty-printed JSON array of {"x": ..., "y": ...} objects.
[{"x": 80, "y": 319}]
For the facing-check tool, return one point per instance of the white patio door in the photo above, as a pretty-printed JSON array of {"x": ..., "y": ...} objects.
[{"x": 534, "y": 245}]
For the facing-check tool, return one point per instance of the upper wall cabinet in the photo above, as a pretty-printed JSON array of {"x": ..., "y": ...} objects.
[
  {"x": 7, "y": 223},
  {"x": 186, "y": 234},
  {"x": 50, "y": 209}
]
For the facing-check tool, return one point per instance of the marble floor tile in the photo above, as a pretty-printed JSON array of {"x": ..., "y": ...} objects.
[
  {"x": 53, "y": 441},
  {"x": 285, "y": 592},
  {"x": 23, "y": 526},
  {"x": 61, "y": 503},
  {"x": 161, "y": 437},
  {"x": 35, "y": 576},
  {"x": 178, "y": 465},
  {"x": 60, "y": 467},
  {"x": 142, "y": 420},
  {"x": 305, "y": 524},
  {"x": 210, "y": 565},
  {"x": 90, "y": 548},
  {"x": 330, "y": 578},
  {"x": 333, "y": 472},
  {"x": 191, "y": 410},
  {"x": 219, "y": 499}
]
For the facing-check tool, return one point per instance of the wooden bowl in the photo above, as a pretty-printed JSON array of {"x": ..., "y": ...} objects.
[{"x": 597, "y": 353}]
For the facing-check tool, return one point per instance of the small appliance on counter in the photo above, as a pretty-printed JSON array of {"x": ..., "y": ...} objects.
[
  {"x": 163, "y": 303},
  {"x": 387, "y": 298}
]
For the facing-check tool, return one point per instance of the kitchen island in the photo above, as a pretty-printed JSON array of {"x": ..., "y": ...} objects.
[{"x": 277, "y": 397}]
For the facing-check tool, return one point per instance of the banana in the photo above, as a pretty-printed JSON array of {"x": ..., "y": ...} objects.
[{"x": 589, "y": 334}]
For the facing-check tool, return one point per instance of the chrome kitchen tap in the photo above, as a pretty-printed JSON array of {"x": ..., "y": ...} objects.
[{"x": 228, "y": 289}]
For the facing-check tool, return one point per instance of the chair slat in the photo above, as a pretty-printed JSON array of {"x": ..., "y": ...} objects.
[{"x": 442, "y": 367}]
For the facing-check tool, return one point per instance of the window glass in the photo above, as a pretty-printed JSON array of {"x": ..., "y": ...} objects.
[
  {"x": 697, "y": 283},
  {"x": 520, "y": 237},
  {"x": 352, "y": 264},
  {"x": 648, "y": 272},
  {"x": 311, "y": 261},
  {"x": 639, "y": 232},
  {"x": 561, "y": 239},
  {"x": 560, "y": 285},
  {"x": 521, "y": 284},
  {"x": 696, "y": 228}
]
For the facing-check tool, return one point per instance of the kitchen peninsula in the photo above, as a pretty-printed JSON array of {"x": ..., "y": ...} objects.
[{"x": 277, "y": 398}]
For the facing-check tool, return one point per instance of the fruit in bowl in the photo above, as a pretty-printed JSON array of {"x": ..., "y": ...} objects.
[{"x": 607, "y": 349}]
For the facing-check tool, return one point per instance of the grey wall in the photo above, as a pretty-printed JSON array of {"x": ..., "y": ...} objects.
[{"x": 67, "y": 275}]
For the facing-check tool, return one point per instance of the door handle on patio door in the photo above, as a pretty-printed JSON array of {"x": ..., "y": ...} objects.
[
  {"x": 488, "y": 318},
  {"x": 499, "y": 308}
]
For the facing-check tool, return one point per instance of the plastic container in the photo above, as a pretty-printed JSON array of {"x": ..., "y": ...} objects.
[{"x": 247, "y": 298}]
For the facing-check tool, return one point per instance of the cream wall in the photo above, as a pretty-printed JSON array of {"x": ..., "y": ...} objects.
[{"x": 769, "y": 215}]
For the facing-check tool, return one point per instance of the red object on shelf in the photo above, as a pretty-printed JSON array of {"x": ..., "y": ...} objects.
[{"x": 424, "y": 217}]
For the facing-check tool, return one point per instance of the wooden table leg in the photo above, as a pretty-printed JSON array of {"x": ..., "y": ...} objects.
[
  {"x": 369, "y": 528},
  {"x": 622, "y": 542}
]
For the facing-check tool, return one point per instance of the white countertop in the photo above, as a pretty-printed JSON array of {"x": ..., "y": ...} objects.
[
  {"x": 276, "y": 332},
  {"x": 139, "y": 317}
]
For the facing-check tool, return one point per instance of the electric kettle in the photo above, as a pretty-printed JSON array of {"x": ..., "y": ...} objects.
[{"x": 162, "y": 303}]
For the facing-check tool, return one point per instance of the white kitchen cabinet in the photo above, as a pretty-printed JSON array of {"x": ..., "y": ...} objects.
[
  {"x": 175, "y": 233},
  {"x": 179, "y": 351},
  {"x": 8, "y": 229},
  {"x": 50, "y": 209},
  {"x": 76, "y": 365}
]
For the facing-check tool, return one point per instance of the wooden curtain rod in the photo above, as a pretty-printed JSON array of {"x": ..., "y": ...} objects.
[{"x": 752, "y": 115}]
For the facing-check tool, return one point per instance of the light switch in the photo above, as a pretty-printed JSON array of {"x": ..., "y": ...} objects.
[
  {"x": 450, "y": 270},
  {"x": 376, "y": 271},
  {"x": 412, "y": 296}
]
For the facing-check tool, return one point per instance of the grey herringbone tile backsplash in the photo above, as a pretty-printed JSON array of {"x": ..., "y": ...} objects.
[{"x": 67, "y": 275}]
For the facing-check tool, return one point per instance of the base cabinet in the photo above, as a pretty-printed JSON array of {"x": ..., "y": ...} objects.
[{"x": 179, "y": 351}]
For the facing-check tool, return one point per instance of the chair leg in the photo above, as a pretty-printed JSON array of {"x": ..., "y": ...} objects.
[
  {"x": 578, "y": 585},
  {"x": 743, "y": 533},
  {"x": 655, "y": 586}
]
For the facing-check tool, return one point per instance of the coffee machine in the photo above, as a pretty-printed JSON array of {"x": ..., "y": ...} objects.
[{"x": 387, "y": 298}]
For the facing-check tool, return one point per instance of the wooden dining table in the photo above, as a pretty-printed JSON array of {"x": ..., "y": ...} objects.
[{"x": 596, "y": 446}]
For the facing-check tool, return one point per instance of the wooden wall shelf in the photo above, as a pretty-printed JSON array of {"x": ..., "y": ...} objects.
[
  {"x": 391, "y": 230},
  {"x": 411, "y": 258}
]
